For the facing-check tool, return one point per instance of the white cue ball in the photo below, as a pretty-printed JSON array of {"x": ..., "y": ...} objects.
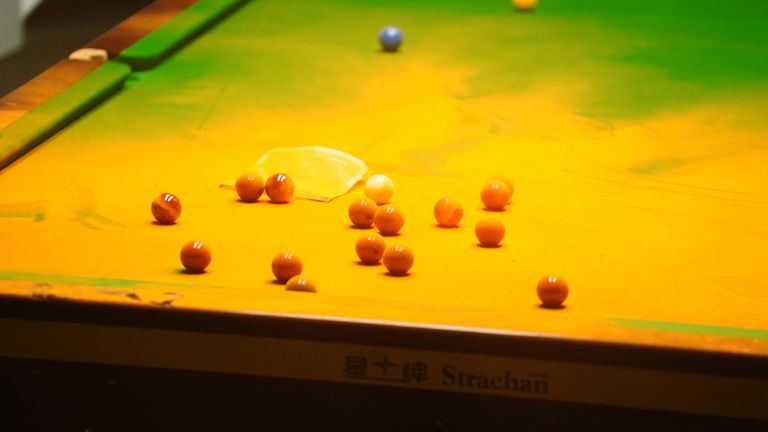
[
  {"x": 379, "y": 188},
  {"x": 524, "y": 5}
]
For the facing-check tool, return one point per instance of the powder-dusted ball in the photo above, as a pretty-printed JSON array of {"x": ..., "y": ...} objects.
[
  {"x": 448, "y": 212},
  {"x": 166, "y": 208}
]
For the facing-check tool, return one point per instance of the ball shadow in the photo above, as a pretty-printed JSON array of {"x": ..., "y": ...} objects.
[
  {"x": 353, "y": 226},
  {"x": 559, "y": 307},
  {"x": 187, "y": 272},
  {"x": 482, "y": 246},
  {"x": 396, "y": 275},
  {"x": 362, "y": 264},
  {"x": 301, "y": 291},
  {"x": 487, "y": 210},
  {"x": 157, "y": 223},
  {"x": 437, "y": 225}
]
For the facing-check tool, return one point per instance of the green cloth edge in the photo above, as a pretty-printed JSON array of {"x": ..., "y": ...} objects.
[
  {"x": 44, "y": 121},
  {"x": 702, "y": 329},
  {"x": 160, "y": 43}
]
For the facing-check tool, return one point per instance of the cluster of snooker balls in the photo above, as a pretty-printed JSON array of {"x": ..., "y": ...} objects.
[
  {"x": 196, "y": 256},
  {"x": 373, "y": 210}
]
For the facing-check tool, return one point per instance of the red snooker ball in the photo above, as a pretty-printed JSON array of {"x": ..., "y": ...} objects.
[
  {"x": 552, "y": 291},
  {"x": 195, "y": 257},
  {"x": 249, "y": 187},
  {"x": 279, "y": 188},
  {"x": 166, "y": 208}
]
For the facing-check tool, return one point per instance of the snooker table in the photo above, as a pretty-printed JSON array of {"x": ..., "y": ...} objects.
[{"x": 636, "y": 138}]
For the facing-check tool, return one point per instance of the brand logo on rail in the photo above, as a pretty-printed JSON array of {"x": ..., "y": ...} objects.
[{"x": 533, "y": 382}]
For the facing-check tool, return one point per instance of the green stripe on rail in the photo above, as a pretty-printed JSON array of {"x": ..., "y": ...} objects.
[
  {"x": 159, "y": 44},
  {"x": 41, "y": 123},
  {"x": 678, "y": 327}
]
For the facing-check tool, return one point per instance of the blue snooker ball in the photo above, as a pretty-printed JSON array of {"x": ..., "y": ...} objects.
[{"x": 390, "y": 38}]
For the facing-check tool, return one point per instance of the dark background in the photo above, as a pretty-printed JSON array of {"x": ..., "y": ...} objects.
[{"x": 55, "y": 29}]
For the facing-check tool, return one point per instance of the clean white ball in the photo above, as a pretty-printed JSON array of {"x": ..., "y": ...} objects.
[{"x": 379, "y": 188}]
